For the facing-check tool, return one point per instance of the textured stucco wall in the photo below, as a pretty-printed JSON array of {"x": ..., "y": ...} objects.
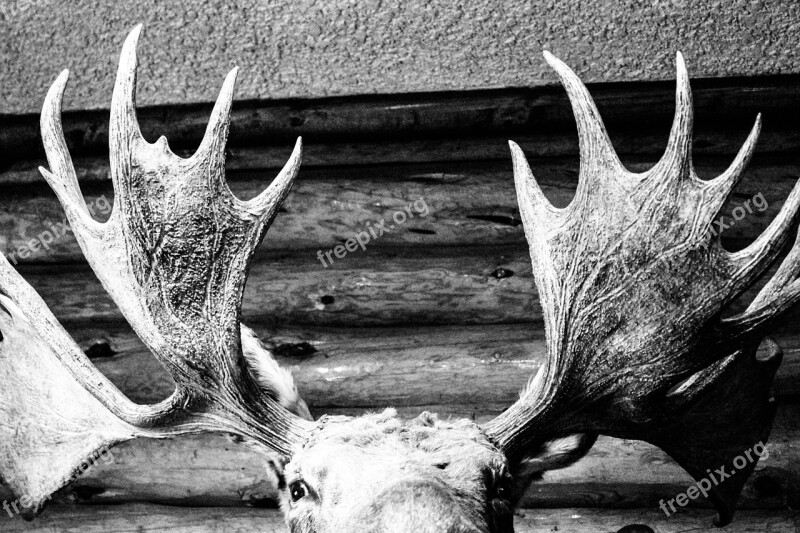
[{"x": 301, "y": 48}]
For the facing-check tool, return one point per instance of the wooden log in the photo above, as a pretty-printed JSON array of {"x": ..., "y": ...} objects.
[
  {"x": 429, "y": 286},
  {"x": 444, "y": 150},
  {"x": 216, "y": 470},
  {"x": 417, "y": 286},
  {"x": 453, "y": 205},
  {"x": 473, "y": 366},
  {"x": 147, "y": 517},
  {"x": 441, "y": 149},
  {"x": 721, "y": 107}
]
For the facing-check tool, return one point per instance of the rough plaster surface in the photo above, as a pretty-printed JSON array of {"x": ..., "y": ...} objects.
[{"x": 302, "y": 48}]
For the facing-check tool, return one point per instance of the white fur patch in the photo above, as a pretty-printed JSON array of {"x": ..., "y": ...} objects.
[
  {"x": 272, "y": 377},
  {"x": 559, "y": 453}
]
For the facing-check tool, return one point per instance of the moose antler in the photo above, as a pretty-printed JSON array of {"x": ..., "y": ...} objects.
[
  {"x": 174, "y": 256},
  {"x": 633, "y": 285}
]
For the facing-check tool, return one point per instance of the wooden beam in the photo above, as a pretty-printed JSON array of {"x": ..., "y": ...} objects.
[
  {"x": 423, "y": 286},
  {"x": 629, "y": 144},
  {"x": 416, "y": 286},
  {"x": 476, "y": 367},
  {"x": 637, "y": 113},
  {"x": 460, "y": 204}
]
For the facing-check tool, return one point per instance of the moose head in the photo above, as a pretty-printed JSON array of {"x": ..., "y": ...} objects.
[{"x": 636, "y": 289}]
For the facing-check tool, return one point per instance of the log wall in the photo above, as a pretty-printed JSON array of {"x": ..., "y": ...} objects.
[{"x": 439, "y": 314}]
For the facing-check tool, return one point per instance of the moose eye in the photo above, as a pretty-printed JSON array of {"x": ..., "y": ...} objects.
[{"x": 297, "y": 490}]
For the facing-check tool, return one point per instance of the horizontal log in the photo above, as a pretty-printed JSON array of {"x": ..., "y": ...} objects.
[
  {"x": 721, "y": 107},
  {"x": 147, "y": 517},
  {"x": 430, "y": 286},
  {"x": 441, "y": 149},
  {"x": 475, "y": 367},
  {"x": 217, "y": 470},
  {"x": 416, "y": 286},
  {"x": 453, "y": 205}
]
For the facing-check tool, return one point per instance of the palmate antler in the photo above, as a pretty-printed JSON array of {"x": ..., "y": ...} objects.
[
  {"x": 174, "y": 256},
  {"x": 634, "y": 286}
]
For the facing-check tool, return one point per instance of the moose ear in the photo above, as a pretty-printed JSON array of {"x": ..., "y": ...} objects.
[{"x": 551, "y": 455}]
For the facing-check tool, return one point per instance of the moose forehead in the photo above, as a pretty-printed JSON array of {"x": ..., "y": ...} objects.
[{"x": 366, "y": 449}]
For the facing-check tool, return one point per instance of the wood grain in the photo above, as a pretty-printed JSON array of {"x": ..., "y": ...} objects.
[
  {"x": 430, "y": 286},
  {"x": 135, "y": 518},
  {"x": 475, "y": 367},
  {"x": 417, "y": 286},
  {"x": 721, "y": 107},
  {"x": 629, "y": 144},
  {"x": 453, "y": 205}
]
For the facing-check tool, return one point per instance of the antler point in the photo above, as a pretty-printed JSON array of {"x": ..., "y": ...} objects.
[
  {"x": 134, "y": 33},
  {"x": 680, "y": 65},
  {"x": 559, "y": 66},
  {"x": 131, "y": 43},
  {"x": 232, "y": 75},
  {"x": 517, "y": 156},
  {"x": 46, "y": 174},
  {"x": 128, "y": 60},
  {"x": 57, "y": 88}
]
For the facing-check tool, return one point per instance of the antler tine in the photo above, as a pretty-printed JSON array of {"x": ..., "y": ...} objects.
[
  {"x": 752, "y": 261},
  {"x": 782, "y": 291},
  {"x": 265, "y": 205},
  {"x": 123, "y": 126},
  {"x": 597, "y": 155},
  {"x": 53, "y": 133},
  {"x": 678, "y": 155},
  {"x": 785, "y": 276},
  {"x": 534, "y": 207},
  {"x": 62, "y": 179},
  {"x": 212, "y": 147},
  {"x": 723, "y": 184}
]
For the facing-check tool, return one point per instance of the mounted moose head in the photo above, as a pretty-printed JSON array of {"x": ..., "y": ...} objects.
[{"x": 635, "y": 288}]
